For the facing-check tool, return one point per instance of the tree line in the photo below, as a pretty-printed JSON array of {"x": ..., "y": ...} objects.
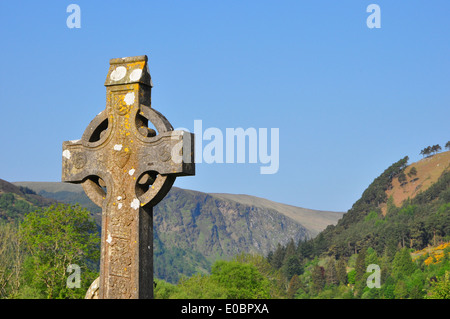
[
  {"x": 427, "y": 151},
  {"x": 36, "y": 251},
  {"x": 325, "y": 277}
]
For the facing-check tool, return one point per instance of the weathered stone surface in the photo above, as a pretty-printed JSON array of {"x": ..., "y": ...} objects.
[
  {"x": 126, "y": 168},
  {"x": 92, "y": 292}
]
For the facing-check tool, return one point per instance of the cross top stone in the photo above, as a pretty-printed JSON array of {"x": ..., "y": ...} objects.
[{"x": 127, "y": 167}]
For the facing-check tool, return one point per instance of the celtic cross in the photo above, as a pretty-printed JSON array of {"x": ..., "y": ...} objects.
[{"x": 127, "y": 167}]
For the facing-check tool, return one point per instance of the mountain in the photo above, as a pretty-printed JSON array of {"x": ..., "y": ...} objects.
[
  {"x": 403, "y": 207},
  {"x": 64, "y": 193},
  {"x": 192, "y": 229},
  {"x": 15, "y": 201},
  {"x": 313, "y": 220}
]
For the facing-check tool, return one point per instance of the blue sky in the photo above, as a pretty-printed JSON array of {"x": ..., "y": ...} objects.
[{"x": 348, "y": 100}]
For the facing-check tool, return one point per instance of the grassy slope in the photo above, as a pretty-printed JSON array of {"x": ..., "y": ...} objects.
[{"x": 428, "y": 169}]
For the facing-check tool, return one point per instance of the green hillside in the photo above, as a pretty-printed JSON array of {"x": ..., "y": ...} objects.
[
  {"x": 379, "y": 231},
  {"x": 64, "y": 193},
  {"x": 16, "y": 201},
  {"x": 416, "y": 223}
]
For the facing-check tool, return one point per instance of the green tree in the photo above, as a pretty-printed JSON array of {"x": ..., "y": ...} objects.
[
  {"x": 11, "y": 260},
  {"x": 305, "y": 248},
  {"x": 401, "y": 178},
  {"x": 436, "y": 148},
  {"x": 440, "y": 289},
  {"x": 289, "y": 251},
  {"x": 400, "y": 290},
  {"x": 386, "y": 263},
  {"x": 294, "y": 285},
  {"x": 360, "y": 265},
  {"x": 426, "y": 151},
  {"x": 278, "y": 256},
  {"x": 196, "y": 287},
  {"x": 415, "y": 285},
  {"x": 402, "y": 265},
  {"x": 331, "y": 273},
  {"x": 351, "y": 276},
  {"x": 371, "y": 257},
  {"x": 317, "y": 278},
  {"x": 55, "y": 238},
  {"x": 447, "y": 145},
  {"x": 165, "y": 290},
  {"x": 387, "y": 289},
  {"x": 341, "y": 271},
  {"x": 292, "y": 266},
  {"x": 412, "y": 172},
  {"x": 418, "y": 234},
  {"x": 276, "y": 278},
  {"x": 241, "y": 281}
]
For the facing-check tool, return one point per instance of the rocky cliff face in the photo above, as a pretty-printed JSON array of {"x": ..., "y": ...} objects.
[{"x": 221, "y": 228}]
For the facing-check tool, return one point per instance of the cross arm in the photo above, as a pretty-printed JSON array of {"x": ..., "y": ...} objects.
[
  {"x": 169, "y": 153},
  {"x": 78, "y": 162}
]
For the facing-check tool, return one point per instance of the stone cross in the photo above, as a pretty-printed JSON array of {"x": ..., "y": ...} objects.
[{"x": 127, "y": 167}]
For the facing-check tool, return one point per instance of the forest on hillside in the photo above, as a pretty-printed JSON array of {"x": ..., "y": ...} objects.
[{"x": 409, "y": 244}]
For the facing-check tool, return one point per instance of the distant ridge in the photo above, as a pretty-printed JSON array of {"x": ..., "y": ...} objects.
[
  {"x": 16, "y": 201},
  {"x": 314, "y": 220},
  {"x": 7, "y": 187},
  {"x": 51, "y": 187},
  {"x": 192, "y": 229}
]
